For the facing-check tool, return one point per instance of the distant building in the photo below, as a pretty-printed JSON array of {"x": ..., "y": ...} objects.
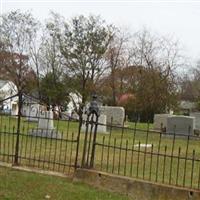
[
  {"x": 8, "y": 89},
  {"x": 187, "y": 106}
]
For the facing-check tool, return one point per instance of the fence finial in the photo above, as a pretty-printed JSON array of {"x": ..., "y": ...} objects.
[{"x": 94, "y": 108}]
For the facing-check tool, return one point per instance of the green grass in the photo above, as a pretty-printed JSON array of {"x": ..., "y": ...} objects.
[
  {"x": 127, "y": 161},
  {"x": 19, "y": 185}
]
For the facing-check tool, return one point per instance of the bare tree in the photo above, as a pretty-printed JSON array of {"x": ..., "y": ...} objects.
[
  {"x": 17, "y": 31},
  {"x": 160, "y": 56},
  {"x": 117, "y": 58}
]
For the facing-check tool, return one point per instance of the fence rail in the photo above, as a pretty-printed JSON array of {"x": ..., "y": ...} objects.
[
  {"x": 132, "y": 150},
  {"x": 52, "y": 149},
  {"x": 150, "y": 155},
  {"x": 56, "y": 154}
]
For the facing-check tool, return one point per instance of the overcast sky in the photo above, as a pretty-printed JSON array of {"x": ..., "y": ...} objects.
[{"x": 179, "y": 19}]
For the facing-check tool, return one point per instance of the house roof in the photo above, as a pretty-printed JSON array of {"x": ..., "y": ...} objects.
[
  {"x": 2, "y": 83},
  {"x": 187, "y": 105}
]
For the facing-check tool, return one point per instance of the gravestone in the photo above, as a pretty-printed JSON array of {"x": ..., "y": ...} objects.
[
  {"x": 113, "y": 113},
  {"x": 160, "y": 119},
  {"x": 196, "y": 115},
  {"x": 45, "y": 126},
  {"x": 65, "y": 115},
  {"x": 181, "y": 125},
  {"x": 14, "y": 109},
  {"x": 46, "y": 120},
  {"x": 143, "y": 145},
  {"x": 101, "y": 128},
  {"x": 32, "y": 112}
]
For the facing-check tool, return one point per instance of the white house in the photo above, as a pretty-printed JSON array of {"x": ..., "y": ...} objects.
[
  {"x": 74, "y": 103},
  {"x": 8, "y": 89}
]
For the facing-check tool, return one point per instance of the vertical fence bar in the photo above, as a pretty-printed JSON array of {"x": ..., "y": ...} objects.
[
  {"x": 138, "y": 159},
  {"x": 145, "y": 151},
  {"x": 13, "y": 143},
  {"x": 177, "y": 174},
  {"x": 120, "y": 149},
  {"x": 192, "y": 170},
  {"x": 8, "y": 151},
  {"x": 85, "y": 142},
  {"x": 60, "y": 153},
  {"x": 186, "y": 155},
  {"x": 4, "y": 144},
  {"x": 199, "y": 175},
  {"x": 35, "y": 150},
  {"x": 172, "y": 155},
  {"x": 30, "y": 149},
  {"x": 108, "y": 152},
  {"x": 94, "y": 142},
  {"x": 158, "y": 156},
  {"x": 18, "y": 128},
  {"x": 66, "y": 150},
  {"x": 102, "y": 152},
  {"x": 45, "y": 151},
  {"x": 125, "y": 159},
  {"x": 133, "y": 146},
  {"x": 78, "y": 140},
  {"x": 114, "y": 148},
  {"x": 90, "y": 138},
  {"x": 22, "y": 144},
  {"x": 40, "y": 150},
  {"x": 164, "y": 164},
  {"x": 70, "y": 156},
  {"x": 151, "y": 162},
  {"x": 55, "y": 151}
]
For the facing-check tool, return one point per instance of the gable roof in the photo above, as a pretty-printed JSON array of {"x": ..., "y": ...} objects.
[{"x": 2, "y": 83}]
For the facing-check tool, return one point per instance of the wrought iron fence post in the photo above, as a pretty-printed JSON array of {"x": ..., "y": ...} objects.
[
  {"x": 78, "y": 140},
  {"x": 18, "y": 128},
  {"x": 94, "y": 142},
  {"x": 85, "y": 143},
  {"x": 92, "y": 111}
]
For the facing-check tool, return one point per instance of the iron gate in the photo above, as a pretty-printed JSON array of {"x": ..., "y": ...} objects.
[{"x": 23, "y": 142}]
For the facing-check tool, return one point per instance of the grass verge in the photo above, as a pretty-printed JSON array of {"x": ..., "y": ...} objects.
[{"x": 20, "y": 185}]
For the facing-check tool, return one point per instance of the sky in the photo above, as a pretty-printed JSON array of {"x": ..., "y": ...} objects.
[{"x": 177, "y": 18}]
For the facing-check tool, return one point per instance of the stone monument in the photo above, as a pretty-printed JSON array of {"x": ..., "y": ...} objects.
[
  {"x": 32, "y": 113},
  {"x": 114, "y": 113},
  {"x": 181, "y": 125},
  {"x": 101, "y": 128},
  {"x": 160, "y": 119},
  {"x": 45, "y": 126},
  {"x": 196, "y": 115}
]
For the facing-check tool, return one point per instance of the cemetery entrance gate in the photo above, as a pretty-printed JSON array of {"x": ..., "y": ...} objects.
[{"x": 31, "y": 135}]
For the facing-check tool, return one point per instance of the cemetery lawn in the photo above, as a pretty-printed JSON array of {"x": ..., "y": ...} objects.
[
  {"x": 19, "y": 185},
  {"x": 117, "y": 153}
]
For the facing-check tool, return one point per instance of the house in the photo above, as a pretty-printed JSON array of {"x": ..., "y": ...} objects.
[
  {"x": 31, "y": 108},
  {"x": 8, "y": 89},
  {"x": 187, "y": 106}
]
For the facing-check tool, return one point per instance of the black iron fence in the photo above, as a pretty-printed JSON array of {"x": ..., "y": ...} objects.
[
  {"x": 133, "y": 150},
  {"x": 24, "y": 142},
  {"x": 155, "y": 156}
]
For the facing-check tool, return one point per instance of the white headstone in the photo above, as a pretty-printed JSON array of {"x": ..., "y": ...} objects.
[
  {"x": 14, "y": 109},
  {"x": 181, "y": 125},
  {"x": 114, "y": 113},
  {"x": 46, "y": 120},
  {"x": 160, "y": 119},
  {"x": 32, "y": 112},
  {"x": 196, "y": 115},
  {"x": 45, "y": 126},
  {"x": 100, "y": 128}
]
